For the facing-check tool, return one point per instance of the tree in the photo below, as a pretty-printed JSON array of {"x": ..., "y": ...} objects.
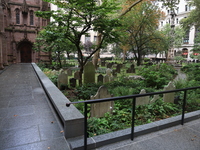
[
  {"x": 53, "y": 41},
  {"x": 77, "y": 17},
  {"x": 140, "y": 29},
  {"x": 193, "y": 17},
  {"x": 170, "y": 41}
]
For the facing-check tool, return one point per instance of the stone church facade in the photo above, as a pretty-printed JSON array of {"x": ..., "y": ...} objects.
[{"x": 18, "y": 29}]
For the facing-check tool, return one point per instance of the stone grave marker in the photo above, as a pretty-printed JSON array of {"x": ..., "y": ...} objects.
[
  {"x": 89, "y": 73},
  {"x": 118, "y": 68},
  {"x": 69, "y": 72},
  {"x": 103, "y": 63},
  {"x": 169, "y": 97},
  {"x": 106, "y": 79},
  {"x": 142, "y": 100},
  {"x": 99, "y": 109},
  {"x": 62, "y": 80},
  {"x": 72, "y": 82},
  {"x": 109, "y": 72},
  {"x": 77, "y": 75},
  {"x": 109, "y": 65},
  {"x": 155, "y": 97},
  {"x": 100, "y": 78}
]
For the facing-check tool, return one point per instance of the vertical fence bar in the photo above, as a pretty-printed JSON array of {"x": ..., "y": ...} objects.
[
  {"x": 133, "y": 119},
  {"x": 183, "y": 109},
  {"x": 85, "y": 127}
]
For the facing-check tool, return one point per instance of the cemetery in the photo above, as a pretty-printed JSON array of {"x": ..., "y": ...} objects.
[{"x": 114, "y": 78}]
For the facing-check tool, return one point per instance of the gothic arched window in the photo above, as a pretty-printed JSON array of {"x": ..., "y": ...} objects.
[
  {"x": 17, "y": 16},
  {"x": 31, "y": 18}
]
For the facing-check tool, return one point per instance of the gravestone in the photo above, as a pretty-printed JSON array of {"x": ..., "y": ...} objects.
[
  {"x": 77, "y": 75},
  {"x": 62, "y": 80},
  {"x": 72, "y": 82},
  {"x": 99, "y": 109},
  {"x": 106, "y": 79},
  {"x": 108, "y": 72},
  {"x": 69, "y": 72},
  {"x": 89, "y": 73},
  {"x": 103, "y": 63},
  {"x": 118, "y": 68},
  {"x": 155, "y": 97},
  {"x": 142, "y": 100},
  {"x": 169, "y": 97},
  {"x": 109, "y": 65},
  {"x": 100, "y": 78},
  {"x": 132, "y": 68}
]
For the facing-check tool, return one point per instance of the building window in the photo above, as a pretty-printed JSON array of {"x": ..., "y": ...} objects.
[
  {"x": 87, "y": 38},
  {"x": 185, "y": 52},
  {"x": 17, "y": 16},
  {"x": 186, "y": 38},
  {"x": 161, "y": 24},
  {"x": 31, "y": 18},
  {"x": 177, "y": 10},
  {"x": 177, "y": 21},
  {"x": 186, "y": 7}
]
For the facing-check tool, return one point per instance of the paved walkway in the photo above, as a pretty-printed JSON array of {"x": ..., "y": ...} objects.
[
  {"x": 186, "y": 137},
  {"x": 27, "y": 121}
]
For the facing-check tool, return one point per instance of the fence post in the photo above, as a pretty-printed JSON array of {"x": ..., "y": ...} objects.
[
  {"x": 133, "y": 119},
  {"x": 183, "y": 109},
  {"x": 85, "y": 127}
]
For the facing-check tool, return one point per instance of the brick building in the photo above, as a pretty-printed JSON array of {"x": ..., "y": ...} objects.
[{"x": 18, "y": 29}]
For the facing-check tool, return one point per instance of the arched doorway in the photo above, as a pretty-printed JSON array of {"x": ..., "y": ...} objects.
[{"x": 26, "y": 53}]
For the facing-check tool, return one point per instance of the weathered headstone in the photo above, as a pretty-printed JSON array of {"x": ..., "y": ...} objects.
[
  {"x": 77, "y": 75},
  {"x": 169, "y": 97},
  {"x": 109, "y": 65},
  {"x": 118, "y": 68},
  {"x": 142, "y": 100},
  {"x": 89, "y": 73},
  {"x": 155, "y": 97},
  {"x": 100, "y": 78},
  {"x": 106, "y": 79},
  {"x": 62, "y": 80},
  {"x": 72, "y": 82},
  {"x": 103, "y": 63},
  {"x": 108, "y": 72},
  {"x": 132, "y": 68},
  {"x": 99, "y": 109},
  {"x": 69, "y": 72}
]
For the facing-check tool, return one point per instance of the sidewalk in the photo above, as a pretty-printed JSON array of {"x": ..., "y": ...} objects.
[
  {"x": 27, "y": 121},
  {"x": 186, "y": 137}
]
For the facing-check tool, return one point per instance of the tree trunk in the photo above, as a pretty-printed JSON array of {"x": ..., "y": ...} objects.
[{"x": 96, "y": 55}]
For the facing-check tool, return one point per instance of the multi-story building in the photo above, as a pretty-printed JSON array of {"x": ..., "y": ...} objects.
[
  {"x": 182, "y": 11},
  {"x": 18, "y": 29}
]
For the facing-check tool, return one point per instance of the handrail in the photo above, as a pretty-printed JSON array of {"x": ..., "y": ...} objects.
[{"x": 133, "y": 107}]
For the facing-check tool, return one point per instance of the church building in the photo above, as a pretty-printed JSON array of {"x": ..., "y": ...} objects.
[{"x": 18, "y": 29}]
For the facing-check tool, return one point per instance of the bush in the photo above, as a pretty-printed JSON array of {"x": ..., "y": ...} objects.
[{"x": 157, "y": 75}]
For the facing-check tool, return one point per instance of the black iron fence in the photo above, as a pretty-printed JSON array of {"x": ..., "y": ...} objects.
[{"x": 133, "y": 97}]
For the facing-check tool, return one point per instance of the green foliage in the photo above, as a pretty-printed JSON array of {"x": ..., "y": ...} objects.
[
  {"x": 157, "y": 75},
  {"x": 193, "y": 71},
  {"x": 87, "y": 90}
]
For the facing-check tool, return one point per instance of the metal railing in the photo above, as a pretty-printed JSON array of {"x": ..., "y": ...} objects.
[{"x": 133, "y": 107}]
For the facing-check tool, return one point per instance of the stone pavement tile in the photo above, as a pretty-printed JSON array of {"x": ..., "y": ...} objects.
[
  {"x": 23, "y": 102},
  {"x": 18, "y": 110},
  {"x": 50, "y": 131},
  {"x": 54, "y": 144},
  {"x": 182, "y": 139},
  {"x": 19, "y": 136},
  {"x": 195, "y": 127},
  {"x": 4, "y": 104},
  {"x": 45, "y": 117},
  {"x": 18, "y": 121},
  {"x": 16, "y": 98}
]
